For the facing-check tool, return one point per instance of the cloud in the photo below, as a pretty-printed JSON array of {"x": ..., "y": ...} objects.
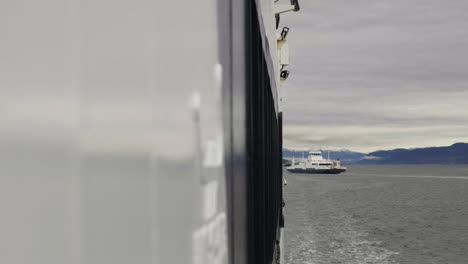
[
  {"x": 370, "y": 138},
  {"x": 377, "y": 74}
]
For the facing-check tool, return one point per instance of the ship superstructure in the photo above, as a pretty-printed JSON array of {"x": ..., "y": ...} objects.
[{"x": 316, "y": 164}]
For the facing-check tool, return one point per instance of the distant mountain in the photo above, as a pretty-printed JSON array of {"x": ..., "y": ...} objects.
[
  {"x": 345, "y": 156},
  {"x": 454, "y": 154}
]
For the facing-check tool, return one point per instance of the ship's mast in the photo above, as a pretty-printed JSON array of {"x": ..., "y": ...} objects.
[{"x": 294, "y": 158}]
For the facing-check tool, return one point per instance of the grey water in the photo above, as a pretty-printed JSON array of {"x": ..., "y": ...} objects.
[{"x": 378, "y": 214}]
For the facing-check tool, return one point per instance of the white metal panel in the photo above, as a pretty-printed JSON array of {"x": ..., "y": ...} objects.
[
  {"x": 284, "y": 54},
  {"x": 266, "y": 15},
  {"x": 268, "y": 28},
  {"x": 104, "y": 157}
]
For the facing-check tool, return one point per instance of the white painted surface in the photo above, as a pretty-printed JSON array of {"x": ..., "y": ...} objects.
[{"x": 101, "y": 159}]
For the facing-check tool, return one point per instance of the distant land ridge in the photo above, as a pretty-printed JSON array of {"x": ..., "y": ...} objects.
[{"x": 454, "y": 154}]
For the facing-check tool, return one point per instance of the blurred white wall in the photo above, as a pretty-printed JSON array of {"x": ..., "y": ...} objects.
[{"x": 110, "y": 132}]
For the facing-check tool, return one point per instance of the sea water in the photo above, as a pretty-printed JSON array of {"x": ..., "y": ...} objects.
[{"x": 378, "y": 214}]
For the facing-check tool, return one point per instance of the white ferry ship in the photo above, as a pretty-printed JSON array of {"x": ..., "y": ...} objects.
[{"x": 315, "y": 163}]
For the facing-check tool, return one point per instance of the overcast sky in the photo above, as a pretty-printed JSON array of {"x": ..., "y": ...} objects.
[{"x": 368, "y": 74}]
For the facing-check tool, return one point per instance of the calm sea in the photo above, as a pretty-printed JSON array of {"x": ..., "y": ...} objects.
[{"x": 378, "y": 214}]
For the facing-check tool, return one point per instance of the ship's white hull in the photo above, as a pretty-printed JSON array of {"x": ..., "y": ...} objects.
[{"x": 317, "y": 170}]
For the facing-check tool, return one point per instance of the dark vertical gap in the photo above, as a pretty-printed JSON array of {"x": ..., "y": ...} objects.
[
  {"x": 264, "y": 149},
  {"x": 250, "y": 126}
]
